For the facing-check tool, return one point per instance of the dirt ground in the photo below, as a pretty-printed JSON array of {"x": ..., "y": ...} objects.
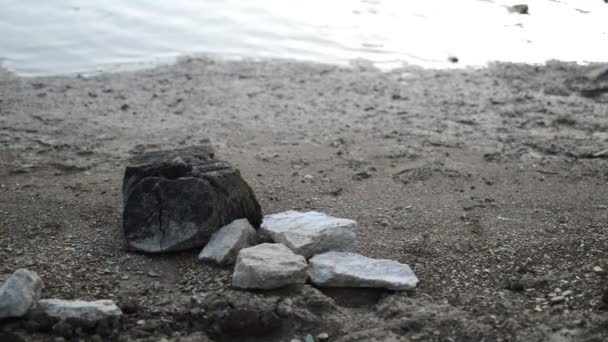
[{"x": 491, "y": 184}]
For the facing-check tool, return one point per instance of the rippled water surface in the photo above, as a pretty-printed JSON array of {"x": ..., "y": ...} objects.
[{"x": 66, "y": 36}]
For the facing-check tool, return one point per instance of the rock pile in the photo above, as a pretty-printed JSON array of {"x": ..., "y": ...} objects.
[
  {"x": 182, "y": 199},
  {"x": 323, "y": 239}
]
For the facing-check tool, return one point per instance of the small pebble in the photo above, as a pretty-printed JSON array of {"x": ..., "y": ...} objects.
[
  {"x": 557, "y": 300},
  {"x": 567, "y": 293},
  {"x": 598, "y": 269},
  {"x": 322, "y": 337}
]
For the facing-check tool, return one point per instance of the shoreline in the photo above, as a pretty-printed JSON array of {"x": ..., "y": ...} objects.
[{"x": 481, "y": 180}]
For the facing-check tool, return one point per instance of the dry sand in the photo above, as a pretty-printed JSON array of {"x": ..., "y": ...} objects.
[{"x": 487, "y": 182}]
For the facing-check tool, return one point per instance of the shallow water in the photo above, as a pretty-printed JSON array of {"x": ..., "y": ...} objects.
[{"x": 68, "y": 36}]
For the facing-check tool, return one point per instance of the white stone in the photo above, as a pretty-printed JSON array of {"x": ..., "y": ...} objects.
[
  {"x": 268, "y": 266},
  {"x": 77, "y": 309},
  {"x": 342, "y": 269},
  {"x": 19, "y": 293},
  {"x": 310, "y": 233},
  {"x": 226, "y": 243}
]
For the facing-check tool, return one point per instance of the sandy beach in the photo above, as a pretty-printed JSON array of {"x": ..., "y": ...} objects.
[{"x": 490, "y": 183}]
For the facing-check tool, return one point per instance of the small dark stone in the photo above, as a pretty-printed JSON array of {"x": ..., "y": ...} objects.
[
  {"x": 453, "y": 59},
  {"x": 250, "y": 321},
  {"x": 521, "y": 9},
  {"x": 129, "y": 307},
  {"x": 175, "y": 200},
  {"x": 63, "y": 328},
  {"x": 605, "y": 297},
  {"x": 362, "y": 175}
]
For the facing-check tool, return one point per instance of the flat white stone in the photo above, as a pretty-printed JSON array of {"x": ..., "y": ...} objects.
[
  {"x": 310, "y": 233},
  {"x": 226, "y": 243},
  {"x": 92, "y": 311},
  {"x": 268, "y": 266},
  {"x": 19, "y": 293},
  {"x": 342, "y": 269}
]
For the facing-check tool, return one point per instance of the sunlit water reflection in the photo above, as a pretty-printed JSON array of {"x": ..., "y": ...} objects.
[{"x": 69, "y": 36}]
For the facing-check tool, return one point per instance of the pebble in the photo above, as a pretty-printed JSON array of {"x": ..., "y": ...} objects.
[
  {"x": 567, "y": 293},
  {"x": 322, "y": 337},
  {"x": 598, "y": 269},
  {"x": 557, "y": 300},
  {"x": 309, "y": 338}
]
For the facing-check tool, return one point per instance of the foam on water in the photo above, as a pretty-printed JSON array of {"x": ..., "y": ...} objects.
[{"x": 68, "y": 36}]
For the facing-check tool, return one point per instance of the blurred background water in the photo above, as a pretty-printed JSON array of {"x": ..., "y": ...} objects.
[{"x": 40, "y": 37}]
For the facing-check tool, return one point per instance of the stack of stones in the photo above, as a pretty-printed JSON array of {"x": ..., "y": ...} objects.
[
  {"x": 304, "y": 245},
  {"x": 183, "y": 199}
]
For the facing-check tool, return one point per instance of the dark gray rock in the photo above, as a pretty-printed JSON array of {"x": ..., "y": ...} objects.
[
  {"x": 175, "y": 200},
  {"x": 520, "y": 9}
]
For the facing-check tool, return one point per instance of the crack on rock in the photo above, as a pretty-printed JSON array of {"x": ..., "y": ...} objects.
[{"x": 159, "y": 199}]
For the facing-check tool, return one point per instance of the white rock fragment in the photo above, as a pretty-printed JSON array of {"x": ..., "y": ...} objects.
[
  {"x": 268, "y": 266},
  {"x": 19, "y": 293},
  {"x": 84, "y": 311},
  {"x": 342, "y": 269},
  {"x": 310, "y": 233},
  {"x": 226, "y": 243}
]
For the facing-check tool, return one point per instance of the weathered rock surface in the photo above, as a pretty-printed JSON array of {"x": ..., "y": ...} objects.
[
  {"x": 226, "y": 243},
  {"x": 19, "y": 293},
  {"x": 342, "y": 269},
  {"x": 83, "y": 311},
  {"x": 268, "y": 266},
  {"x": 310, "y": 233},
  {"x": 176, "y": 200}
]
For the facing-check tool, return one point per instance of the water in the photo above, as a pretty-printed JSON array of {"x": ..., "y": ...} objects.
[{"x": 68, "y": 36}]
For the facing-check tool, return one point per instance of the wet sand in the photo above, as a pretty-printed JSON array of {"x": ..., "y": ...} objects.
[{"x": 490, "y": 183}]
